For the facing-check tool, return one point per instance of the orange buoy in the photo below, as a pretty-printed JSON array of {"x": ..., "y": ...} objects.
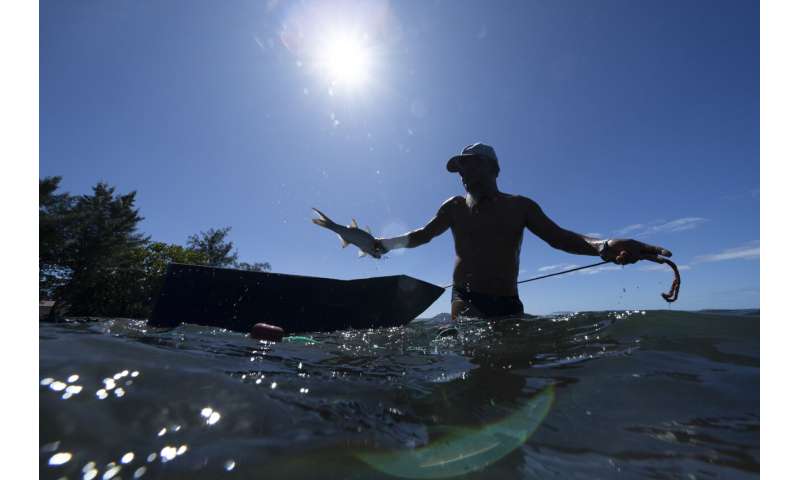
[{"x": 264, "y": 331}]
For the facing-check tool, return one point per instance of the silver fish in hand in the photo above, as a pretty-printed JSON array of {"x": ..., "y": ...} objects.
[{"x": 350, "y": 234}]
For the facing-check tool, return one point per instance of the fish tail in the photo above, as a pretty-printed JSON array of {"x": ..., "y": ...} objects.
[
  {"x": 323, "y": 221},
  {"x": 326, "y": 222}
]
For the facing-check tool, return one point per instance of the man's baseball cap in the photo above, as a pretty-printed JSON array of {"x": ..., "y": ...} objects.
[{"x": 479, "y": 150}]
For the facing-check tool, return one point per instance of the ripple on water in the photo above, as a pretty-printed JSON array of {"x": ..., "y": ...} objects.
[{"x": 164, "y": 404}]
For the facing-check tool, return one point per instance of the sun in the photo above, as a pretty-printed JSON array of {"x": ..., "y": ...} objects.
[{"x": 345, "y": 59}]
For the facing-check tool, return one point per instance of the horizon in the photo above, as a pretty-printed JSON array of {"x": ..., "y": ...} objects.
[
  {"x": 550, "y": 314},
  {"x": 619, "y": 119}
]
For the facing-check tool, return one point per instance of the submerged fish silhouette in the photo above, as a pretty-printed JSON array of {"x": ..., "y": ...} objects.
[{"x": 349, "y": 234}]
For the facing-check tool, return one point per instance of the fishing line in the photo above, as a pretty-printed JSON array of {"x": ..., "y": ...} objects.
[
  {"x": 554, "y": 274},
  {"x": 670, "y": 296}
]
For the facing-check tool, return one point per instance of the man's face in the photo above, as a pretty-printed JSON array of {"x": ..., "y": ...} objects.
[{"x": 477, "y": 174}]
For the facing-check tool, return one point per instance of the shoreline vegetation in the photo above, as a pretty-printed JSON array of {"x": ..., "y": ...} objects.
[{"x": 94, "y": 261}]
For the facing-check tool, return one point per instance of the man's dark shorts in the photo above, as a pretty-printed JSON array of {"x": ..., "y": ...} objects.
[{"x": 487, "y": 306}]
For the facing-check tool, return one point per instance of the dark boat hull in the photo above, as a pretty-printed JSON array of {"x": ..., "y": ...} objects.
[{"x": 237, "y": 300}]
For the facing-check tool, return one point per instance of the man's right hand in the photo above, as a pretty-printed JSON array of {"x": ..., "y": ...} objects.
[{"x": 626, "y": 251}]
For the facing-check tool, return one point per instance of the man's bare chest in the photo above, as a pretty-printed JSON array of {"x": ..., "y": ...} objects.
[{"x": 493, "y": 220}]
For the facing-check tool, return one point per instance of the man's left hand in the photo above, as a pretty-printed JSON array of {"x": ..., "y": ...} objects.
[{"x": 625, "y": 251}]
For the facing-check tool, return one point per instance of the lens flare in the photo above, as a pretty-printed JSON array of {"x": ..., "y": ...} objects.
[{"x": 466, "y": 450}]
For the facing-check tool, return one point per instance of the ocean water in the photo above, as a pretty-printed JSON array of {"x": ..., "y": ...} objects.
[{"x": 655, "y": 394}]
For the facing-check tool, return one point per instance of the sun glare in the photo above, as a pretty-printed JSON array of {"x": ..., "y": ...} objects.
[{"x": 345, "y": 59}]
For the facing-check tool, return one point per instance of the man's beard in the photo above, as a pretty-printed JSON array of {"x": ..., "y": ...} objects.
[
  {"x": 475, "y": 199},
  {"x": 479, "y": 191},
  {"x": 477, "y": 195},
  {"x": 472, "y": 200}
]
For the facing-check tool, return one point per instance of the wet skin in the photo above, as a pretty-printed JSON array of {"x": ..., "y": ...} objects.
[{"x": 487, "y": 227}]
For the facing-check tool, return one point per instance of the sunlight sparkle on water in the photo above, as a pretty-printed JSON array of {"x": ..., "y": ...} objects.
[
  {"x": 210, "y": 415},
  {"x": 58, "y": 386},
  {"x": 168, "y": 453},
  {"x": 60, "y": 458},
  {"x": 111, "y": 472}
]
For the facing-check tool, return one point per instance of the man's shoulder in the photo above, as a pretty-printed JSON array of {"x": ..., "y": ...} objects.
[
  {"x": 454, "y": 201},
  {"x": 518, "y": 199}
]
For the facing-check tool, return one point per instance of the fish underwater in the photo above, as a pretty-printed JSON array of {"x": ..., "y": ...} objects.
[{"x": 350, "y": 234}]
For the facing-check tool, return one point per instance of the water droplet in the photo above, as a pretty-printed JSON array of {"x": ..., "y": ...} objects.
[
  {"x": 46, "y": 381},
  {"x": 230, "y": 465},
  {"x": 127, "y": 458},
  {"x": 73, "y": 378},
  {"x": 139, "y": 472}
]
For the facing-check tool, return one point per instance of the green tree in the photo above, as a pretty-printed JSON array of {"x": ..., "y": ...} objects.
[
  {"x": 219, "y": 252},
  {"x": 136, "y": 288},
  {"x": 254, "y": 267},
  {"x": 213, "y": 245},
  {"x": 98, "y": 236},
  {"x": 54, "y": 214},
  {"x": 93, "y": 261}
]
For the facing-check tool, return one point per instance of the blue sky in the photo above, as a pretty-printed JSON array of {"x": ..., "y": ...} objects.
[{"x": 621, "y": 118}]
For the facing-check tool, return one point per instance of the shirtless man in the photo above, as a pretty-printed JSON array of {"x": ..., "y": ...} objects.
[{"x": 487, "y": 227}]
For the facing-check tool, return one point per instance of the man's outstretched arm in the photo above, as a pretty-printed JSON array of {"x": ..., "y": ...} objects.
[
  {"x": 542, "y": 226},
  {"x": 437, "y": 226},
  {"x": 620, "y": 251}
]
